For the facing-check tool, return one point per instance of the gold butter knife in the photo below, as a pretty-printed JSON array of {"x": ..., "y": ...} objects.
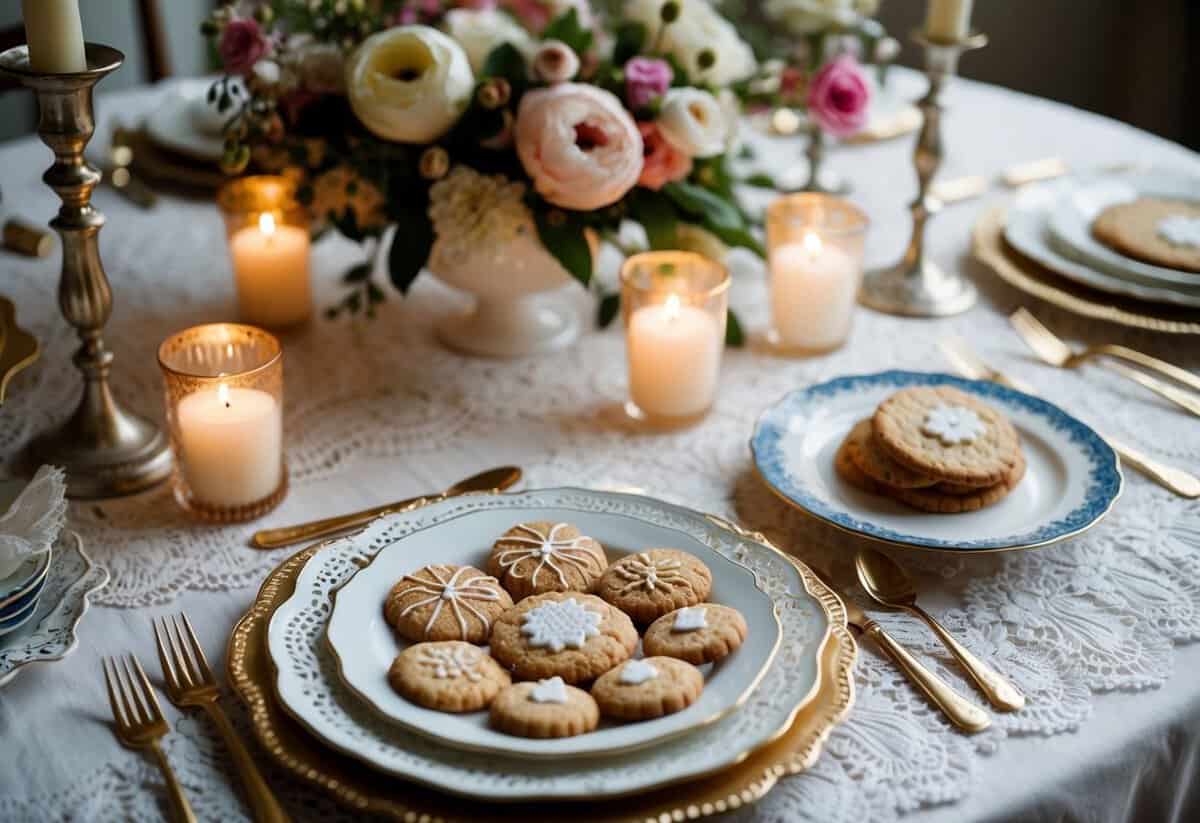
[{"x": 493, "y": 480}]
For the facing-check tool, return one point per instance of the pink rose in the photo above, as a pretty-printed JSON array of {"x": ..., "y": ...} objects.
[
  {"x": 662, "y": 164},
  {"x": 242, "y": 44},
  {"x": 646, "y": 79},
  {"x": 838, "y": 96},
  {"x": 579, "y": 145}
]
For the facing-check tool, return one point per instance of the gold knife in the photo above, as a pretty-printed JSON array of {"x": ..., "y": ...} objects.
[{"x": 493, "y": 480}]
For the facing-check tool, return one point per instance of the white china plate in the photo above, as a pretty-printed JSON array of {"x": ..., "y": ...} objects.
[
  {"x": 365, "y": 644},
  {"x": 15, "y": 621},
  {"x": 311, "y": 690},
  {"x": 1072, "y": 216},
  {"x": 1027, "y": 229},
  {"x": 1071, "y": 482},
  {"x": 28, "y": 575},
  {"x": 173, "y": 123}
]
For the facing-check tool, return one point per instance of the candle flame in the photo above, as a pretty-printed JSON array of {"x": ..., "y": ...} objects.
[
  {"x": 812, "y": 242},
  {"x": 223, "y": 395},
  {"x": 672, "y": 306},
  {"x": 266, "y": 223}
]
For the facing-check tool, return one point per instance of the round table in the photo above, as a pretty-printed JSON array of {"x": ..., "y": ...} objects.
[{"x": 1097, "y": 632}]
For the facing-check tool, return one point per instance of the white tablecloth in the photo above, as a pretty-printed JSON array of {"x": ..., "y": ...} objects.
[{"x": 1096, "y": 631}]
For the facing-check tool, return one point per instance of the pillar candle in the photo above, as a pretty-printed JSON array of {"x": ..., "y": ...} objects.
[
  {"x": 270, "y": 269},
  {"x": 813, "y": 289},
  {"x": 230, "y": 445},
  {"x": 674, "y": 358},
  {"x": 948, "y": 19},
  {"x": 55, "y": 35}
]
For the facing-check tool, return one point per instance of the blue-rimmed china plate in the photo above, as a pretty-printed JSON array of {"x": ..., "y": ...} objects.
[
  {"x": 28, "y": 576},
  {"x": 1072, "y": 480}
]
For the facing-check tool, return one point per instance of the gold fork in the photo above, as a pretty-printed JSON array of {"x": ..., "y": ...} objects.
[
  {"x": 1047, "y": 346},
  {"x": 140, "y": 723},
  {"x": 959, "y": 353},
  {"x": 190, "y": 683}
]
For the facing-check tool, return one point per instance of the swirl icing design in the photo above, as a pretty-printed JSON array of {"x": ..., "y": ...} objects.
[
  {"x": 953, "y": 425},
  {"x": 456, "y": 589},
  {"x": 451, "y": 664},
  {"x": 1179, "y": 230},
  {"x": 558, "y": 625},
  {"x": 646, "y": 572},
  {"x": 549, "y": 550},
  {"x": 551, "y": 690},
  {"x": 636, "y": 672}
]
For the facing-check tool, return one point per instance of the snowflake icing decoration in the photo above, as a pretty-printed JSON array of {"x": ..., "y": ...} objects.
[
  {"x": 549, "y": 550},
  {"x": 1180, "y": 230},
  {"x": 456, "y": 590},
  {"x": 558, "y": 625},
  {"x": 451, "y": 664},
  {"x": 953, "y": 425}
]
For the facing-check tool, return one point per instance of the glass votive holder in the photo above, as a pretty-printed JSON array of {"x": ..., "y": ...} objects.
[
  {"x": 674, "y": 308},
  {"x": 268, "y": 233},
  {"x": 224, "y": 398},
  {"x": 815, "y": 261}
]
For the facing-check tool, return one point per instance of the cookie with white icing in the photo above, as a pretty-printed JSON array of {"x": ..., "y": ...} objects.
[
  {"x": 651, "y": 583},
  {"x": 647, "y": 688},
  {"x": 575, "y": 636},
  {"x": 449, "y": 676},
  {"x": 545, "y": 556},
  {"x": 544, "y": 709},
  {"x": 444, "y": 602},
  {"x": 1154, "y": 229},
  {"x": 698, "y": 634}
]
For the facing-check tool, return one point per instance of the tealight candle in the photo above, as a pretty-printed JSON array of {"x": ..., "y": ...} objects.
[
  {"x": 54, "y": 35},
  {"x": 224, "y": 390},
  {"x": 674, "y": 305},
  {"x": 948, "y": 20},
  {"x": 815, "y": 246}
]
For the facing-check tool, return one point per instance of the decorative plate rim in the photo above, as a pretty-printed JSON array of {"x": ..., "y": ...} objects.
[{"x": 1106, "y": 481}]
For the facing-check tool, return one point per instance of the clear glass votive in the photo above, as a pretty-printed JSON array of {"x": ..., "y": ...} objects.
[
  {"x": 815, "y": 260},
  {"x": 268, "y": 234},
  {"x": 224, "y": 399},
  {"x": 674, "y": 306}
]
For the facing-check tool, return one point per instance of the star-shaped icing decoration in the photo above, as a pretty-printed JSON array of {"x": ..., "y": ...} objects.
[
  {"x": 953, "y": 425},
  {"x": 553, "y": 690},
  {"x": 561, "y": 624},
  {"x": 636, "y": 672},
  {"x": 689, "y": 619}
]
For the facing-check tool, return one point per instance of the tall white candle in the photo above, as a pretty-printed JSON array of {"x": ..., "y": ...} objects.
[
  {"x": 674, "y": 358},
  {"x": 230, "y": 445},
  {"x": 948, "y": 19},
  {"x": 55, "y": 35},
  {"x": 813, "y": 289},
  {"x": 270, "y": 269}
]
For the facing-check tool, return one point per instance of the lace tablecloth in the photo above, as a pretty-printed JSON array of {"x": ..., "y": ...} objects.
[{"x": 1096, "y": 631}]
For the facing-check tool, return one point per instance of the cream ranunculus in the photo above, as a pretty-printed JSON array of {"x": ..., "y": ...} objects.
[
  {"x": 693, "y": 122},
  {"x": 409, "y": 84},
  {"x": 699, "y": 28},
  {"x": 479, "y": 31}
]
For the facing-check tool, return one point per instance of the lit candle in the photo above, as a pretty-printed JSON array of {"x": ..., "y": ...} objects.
[
  {"x": 270, "y": 268},
  {"x": 813, "y": 289},
  {"x": 948, "y": 20},
  {"x": 230, "y": 445},
  {"x": 54, "y": 35},
  {"x": 674, "y": 357}
]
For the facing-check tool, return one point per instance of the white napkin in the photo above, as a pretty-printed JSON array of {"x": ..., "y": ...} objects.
[{"x": 34, "y": 519}]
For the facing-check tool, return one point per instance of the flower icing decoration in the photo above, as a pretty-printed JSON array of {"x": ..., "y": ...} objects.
[
  {"x": 550, "y": 550},
  {"x": 645, "y": 572},
  {"x": 690, "y": 619},
  {"x": 953, "y": 425},
  {"x": 1180, "y": 230},
  {"x": 451, "y": 664},
  {"x": 560, "y": 624},
  {"x": 457, "y": 589},
  {"x": 636, "y": 672},
  {"x": 553, "y": 690}
]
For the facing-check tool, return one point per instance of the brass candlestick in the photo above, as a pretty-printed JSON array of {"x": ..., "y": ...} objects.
[
  {"x": 104, "y": 449},
  {"x": 916, "y": 286}
]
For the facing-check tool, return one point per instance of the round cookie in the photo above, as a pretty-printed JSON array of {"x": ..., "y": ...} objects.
[
  {"x": 647, "y": 688},
  {"x": 946, "y": 434},
  {"x": 697, "y": 634},
  {"x": 577, "y": 637},
  {"x": 449, "y": 676},
  {"x": 932, "y": 500},
  {"x": 1157, "y": 230},
  {"x": 875, "y": 463},
  {"x": 540, "y": 557},
  {"x": 444, "y": 602},
  {"x": 649, "y": 584},
  {"x": 851, "y": 473},
  {"x": 547, "y": 708}
]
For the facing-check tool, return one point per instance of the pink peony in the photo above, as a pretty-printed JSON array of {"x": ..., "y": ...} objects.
[
  {"x": 242, "y": 44},
  {"x": 838, "y": 96},
  {"x": 646, "y": 79},
  {"x": 662, "y": 164},
  {"x": 579, "y": 145}
]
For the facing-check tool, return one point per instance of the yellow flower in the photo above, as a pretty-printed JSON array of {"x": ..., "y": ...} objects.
[{"x": 341, "y": 190}]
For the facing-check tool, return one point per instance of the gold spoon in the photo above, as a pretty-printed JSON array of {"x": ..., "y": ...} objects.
[
  {"x": 888, "y": 585},
  {"x": 492, "y": 480}
]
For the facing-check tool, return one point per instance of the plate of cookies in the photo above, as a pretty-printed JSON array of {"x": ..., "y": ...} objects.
[
  {"x": 552, "y": 633},
  {"x": 936, "y": 461}
]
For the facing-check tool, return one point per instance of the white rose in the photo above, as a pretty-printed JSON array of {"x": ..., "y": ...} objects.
[
  {"x": 807, "y": 16},
  {"x": 479, "y": 31},
  {"x": 699, "y": 28},
  {"x": 692, "y": 121},
  {"x": 409, "y": 84}
]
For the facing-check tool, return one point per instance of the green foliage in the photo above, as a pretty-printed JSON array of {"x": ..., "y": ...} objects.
[
  {"x": 657, "y": 214},
  {"x": 411, "y": 245},
  {"x": 505, "y": 61},
  {"x": 631, "y": 39},
  {"x": 718, "y": 215},
  {"x": 568, "y": 29},
  {"x": 734, "y": 336},
  {"x": 562, "y": 233}
]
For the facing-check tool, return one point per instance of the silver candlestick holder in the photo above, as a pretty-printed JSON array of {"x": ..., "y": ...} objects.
[
  {"x": 105, "y": 449},
  {"x": 916, "y": 286}
]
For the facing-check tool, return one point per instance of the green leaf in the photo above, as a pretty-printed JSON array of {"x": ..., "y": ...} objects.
[
  {"x": 507, "y": 62},
  {"x": 657, "y": 215},
  {"x": 563, "y": 237},
  {"x": 411, "y": 245},
  {"x": 357, "y": 273},
  {"x": 734, "y": 336},
  {"x": 760, "y": 180},
  {"x": 631, "y": 37},
  {"x": 606, "y": 312},
  {"x": 567, "y": 29},
  {"x": 716, "y": 214}
]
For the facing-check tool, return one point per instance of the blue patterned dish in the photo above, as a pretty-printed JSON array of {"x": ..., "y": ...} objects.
[
  {"x": 20, "y": 603},
  {"x": 1073, "y": 477},
  {"x": 30, "y": 574},
  {"x": 19, "y": 618}
]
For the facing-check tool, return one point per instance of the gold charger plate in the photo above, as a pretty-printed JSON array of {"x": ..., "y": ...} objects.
[
  {"x": 989, "y": 247},
  {"x": 252, "y": 677}
]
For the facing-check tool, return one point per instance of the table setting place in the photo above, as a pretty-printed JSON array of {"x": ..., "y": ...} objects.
[{"x": 665, "y": 436}]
